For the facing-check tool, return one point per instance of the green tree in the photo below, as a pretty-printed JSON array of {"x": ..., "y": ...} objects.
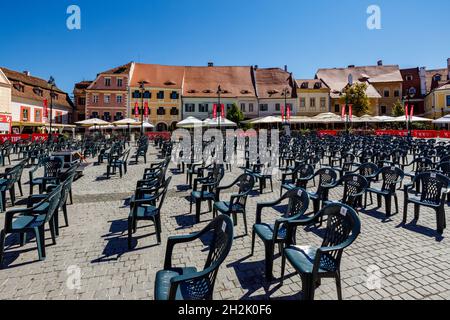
[
  {"x": 235, "y": 114},
  {"x": 397, "y": 109},
  {"x": 356, "y": 95}
]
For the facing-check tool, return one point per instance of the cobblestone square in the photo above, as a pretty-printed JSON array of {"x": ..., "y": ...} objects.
[{"x": 411, "y": 261}]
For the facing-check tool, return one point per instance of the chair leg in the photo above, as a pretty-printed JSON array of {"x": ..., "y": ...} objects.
[
  {"x": 40, "y": 241},
  {"x": 56, "y": 219},
  {"x": 53, "y": 229},
  {"x": 158, "y": 228},
  {"x": 440, "y": 220},
  {"x": 66, "y": 218},
  {"x": 20, "y": 187},
  {"x": 244, "y": 217},
  {"x": 22, "y": 238},
  {"x": 271, "y": 184},
  {"x": 405, "y": 212},
  {"x": 338, "y": 286},
  {"x": 283, "y": 266},
  {"x": 269, "y": 260},
  {"x": 396, "y": 203},
  {"x": 253, "y": 241},
  {"x": 190, "y": 205},
  {"x": 416, "y": 212},
  {"x": 2, "y": 246},
  {"x": 130, "y": 231},
  {"x": 388, "y": 200},
  {"x": 308, "y": 286},
  {"x": 198, "y": 207}
]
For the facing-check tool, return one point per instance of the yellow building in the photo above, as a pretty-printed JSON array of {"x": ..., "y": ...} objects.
[
  {"x": 313, "y": 97},
  {"x": 162, "y": 88},
  {"x": 437, "y": 102}
]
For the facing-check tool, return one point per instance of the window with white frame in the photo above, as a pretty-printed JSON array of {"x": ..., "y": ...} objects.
[
  {"x": 312, "y": 103},
  {"x": 189, "y": 107},
  {"x": 243, "y": 107},
  {"x": 302, "y": 102},
  {"x": 107, "y": 82},
  {"x": 119, "y": 98},
  {"x": 107, "y": 98},
  {"x": 119, "y": 82},
  {"x": 250, "y": 107},
  {"x": 323, "y": 103},
  {"x": 202, "y": 107},
  {"x": 95, "y": 98}
]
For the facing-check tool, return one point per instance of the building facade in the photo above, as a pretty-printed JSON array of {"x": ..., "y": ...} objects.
[
  {"x": 107, "y": 95},
  {"x": 201, "y": 86},
  {"x": 414, "y": 81},
  {"x": 384, "y": 85},
  {"x": 161, "y": 91},
  {"x": 313, "y": 97},
  {"x": 275, "y": 89},
  {"x": 437, "y": 83},
  {"x": 79, "y": 94},
  {"x": 28, "y": 94}
]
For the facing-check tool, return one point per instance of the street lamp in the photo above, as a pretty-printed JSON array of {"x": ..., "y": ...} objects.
[
  {"x": 219, "y": 92},
  {"x": 142, "y": 84},
  {"x": 52, "y": 85}
]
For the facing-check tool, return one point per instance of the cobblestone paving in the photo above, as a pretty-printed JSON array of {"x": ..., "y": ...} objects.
[{"x": 413, "y": 262}]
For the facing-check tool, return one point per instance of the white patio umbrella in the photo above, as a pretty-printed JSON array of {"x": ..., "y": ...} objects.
[
  {"x": 215, "y": 123},
  {"x": 92, "y": 122},
  {"x": 109, "y": 126},
  {"x": 266, "y": 120},
  {"x": 125, "y": 124},
  {"x": 413, "y": 119},
  {"x": 190, "y": 122},
  {"x": 327, "y": 117},
  {"x": 443, "y": 120}
]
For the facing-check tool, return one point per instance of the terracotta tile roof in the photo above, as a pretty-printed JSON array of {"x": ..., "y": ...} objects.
[
  {"x": 235, "y": 81},
  {"x": 32, "y": 85},
  {"x": 158, "y": 76},
  {"x": 270, "y": 83},
  {"x": 125, "y": 69},
  {"x": 337, "y": 78}
]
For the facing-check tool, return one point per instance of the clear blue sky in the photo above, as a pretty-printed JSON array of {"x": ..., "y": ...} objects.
[{"x": 305, "y": 35}]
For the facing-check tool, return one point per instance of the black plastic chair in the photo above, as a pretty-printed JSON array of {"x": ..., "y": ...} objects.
[
  {"x": 272, "y": 234},
  {"x": 327, "y": 176},
  {"x": 314, "y": 263},
  {"x": 8, "y": 184},
  {"x": 354, "y": 185},
  {"x": 299, "y": 178},
  {"x": 237, "y": 203},
  {"x": 147, "y": 206},
  {"x": 208, "y": 187},
  {"x": 391, "y": 176},
  {"x": 52, "y": 169},
  {"x": 188, "y": 283},
  {"x": 434, "y": 192},
  {"x": 32, "y": 219}
]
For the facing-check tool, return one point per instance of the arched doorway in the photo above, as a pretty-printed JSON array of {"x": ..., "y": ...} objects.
[{"x": 161, "y": 127}]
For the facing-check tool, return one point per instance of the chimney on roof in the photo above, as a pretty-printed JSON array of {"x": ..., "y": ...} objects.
[
  {"x": 286, "y": 68},
  {"x": 448, "y": 69},
  {"x": 380, "y": 63},
  {"x": 210, "y": 64},
  {"x": 27, "y": 73},
  {"x": 351, "y": 66}
]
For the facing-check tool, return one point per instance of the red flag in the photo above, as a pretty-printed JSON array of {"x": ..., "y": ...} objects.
[
  {"x": 343, "y": 112},
  {"x": 146, "y": 109},
  {"x": 215, "y": 111},
  {"x": 45, "y": 108},
  {"x": 222, "y": 110},
  {"x": 406, "y": 111},
  {"x": 282, "y": 113},
  {"x": 136, "y": 109},
  {"x": 412, "y": 111},
  {"x": 350, "y": 111},
  {"x": 288, "y": 115}
]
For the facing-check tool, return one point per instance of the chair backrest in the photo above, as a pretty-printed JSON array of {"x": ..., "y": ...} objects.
[
  {"x": 163, "y": 193},
  {"x": 52, "y": 166},
  {"x": 246, "y": 182},
  {"x": 432, "y": 186},
  {"x": 13, "y": 176},
  {"x": 298, "y": 202},
  {"x": 354, "y": 185},
  {"x": 391, "y": 176},
  {"x": 53, "y": 202},
  {"x": 367, "y": 169},
  {"x": 326, "y": 176},
  {"x": 201, "y": 288},
  {"x": 444, "y": 168},
  {"x": 342, "y": 229},
  {"x": 65, "y": 188}
]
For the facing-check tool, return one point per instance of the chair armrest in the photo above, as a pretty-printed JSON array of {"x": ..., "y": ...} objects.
[
  {"x": 34, "y": 199},
  {"x": 260, "y": 206},
  {"x": 172, "y": 241}
]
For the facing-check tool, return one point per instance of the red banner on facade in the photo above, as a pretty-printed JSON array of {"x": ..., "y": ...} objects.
[
  {"x": 45, "y": 108},
  {"x": 282, "y": 113},
  {"x": 412, "y": 111},
  {"x": 343, "y": 113},
  {"x": 288, "y": 113},
  {"x": 136, "y": 109},
  {"x": 406, "y": 111},
  {"x": 146, "y": 110},
  {"x": 215, "y": 111},
  {"x": 350, "y": 111},
  {"x": 222, "y": 110}
]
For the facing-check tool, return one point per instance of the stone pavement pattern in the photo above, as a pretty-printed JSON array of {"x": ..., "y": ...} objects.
[{"x": 413, "y": 263}]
